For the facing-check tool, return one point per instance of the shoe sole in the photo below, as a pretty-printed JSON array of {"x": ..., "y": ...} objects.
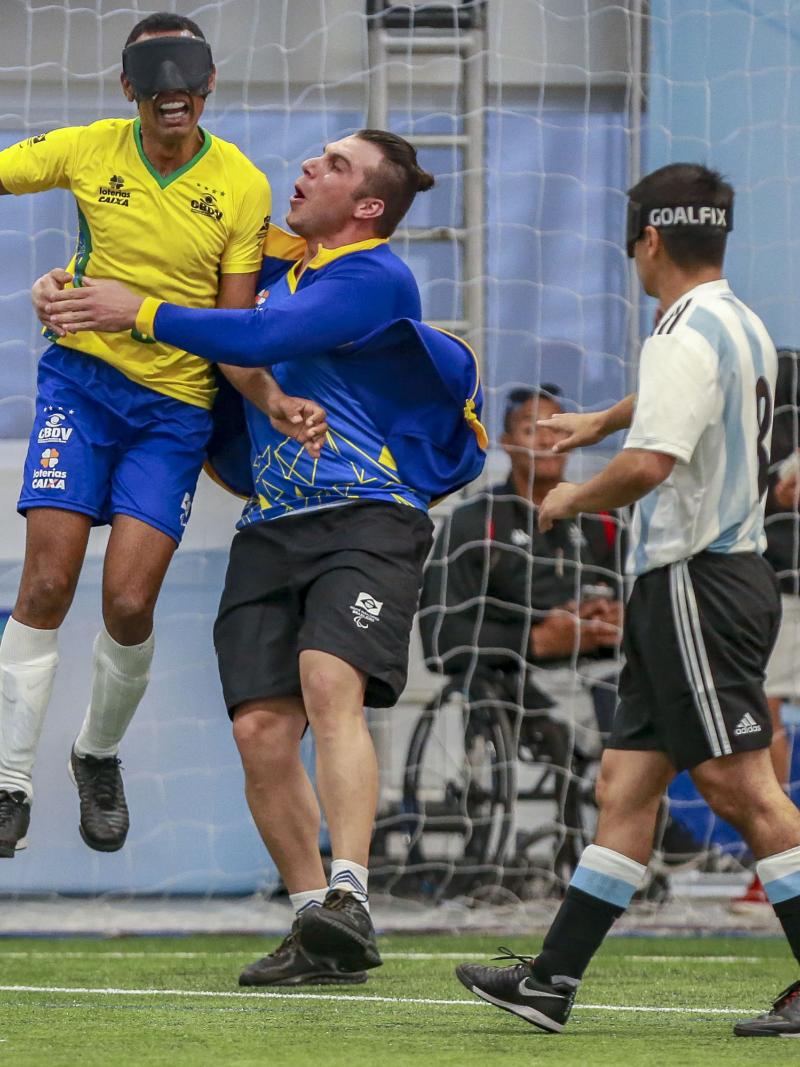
[
  {"x": 93, "y": 843},
  {"x": 740, "y": 1032},
  {"x": 322, "y": 979},
  {"x": 322, "y": 934},
  {"x": 7, "y": 852},
  {"x": 522, "y": 1011}
]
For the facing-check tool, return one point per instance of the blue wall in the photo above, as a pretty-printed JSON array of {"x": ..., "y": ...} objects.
[{"x": 724, "y": 89}]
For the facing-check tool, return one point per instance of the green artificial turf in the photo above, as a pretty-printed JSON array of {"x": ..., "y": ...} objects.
[{"x": 71, "y": 1029}]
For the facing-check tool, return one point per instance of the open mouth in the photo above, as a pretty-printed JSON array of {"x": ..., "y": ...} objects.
[
  {"x": 297, "y": 196},
  {"x": 173, "y": 109}
]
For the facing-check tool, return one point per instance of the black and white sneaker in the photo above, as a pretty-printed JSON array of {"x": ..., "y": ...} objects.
[
  {"x": 291, "y": 965},
  {"x": 545, "y": 1004},
  {"x": 104, "y": 813},
  {"x": 340, "y": 930},
  {"x": 782, "y": 1021},
  {"x": 15, "y": 817}
]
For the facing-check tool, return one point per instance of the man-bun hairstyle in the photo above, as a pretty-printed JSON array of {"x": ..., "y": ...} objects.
[{"x": 396, "y": 181}]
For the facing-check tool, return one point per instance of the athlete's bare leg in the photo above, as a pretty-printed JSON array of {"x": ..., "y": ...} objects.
[
  {"x": 55, "y": 547},
  {"x": 278, "y": 790},
  {"x": 347, "y": 767}
]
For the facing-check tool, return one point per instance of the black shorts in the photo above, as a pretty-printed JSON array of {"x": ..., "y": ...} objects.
[
  {"x": 697, "y": 638},
  {"x": 343, "y": 580}
]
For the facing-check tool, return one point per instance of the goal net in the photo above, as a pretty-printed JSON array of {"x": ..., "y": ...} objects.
[{"x": 535, "y": 116}]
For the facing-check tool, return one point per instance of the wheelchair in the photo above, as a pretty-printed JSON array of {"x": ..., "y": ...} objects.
[{"x": 461, "y": 796}]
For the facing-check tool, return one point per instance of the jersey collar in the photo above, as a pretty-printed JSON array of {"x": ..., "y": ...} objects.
[
  {"x": 720, "y": 285},
  {"x": 170, "y": 178},
  {"x": 324, "y": 256}
]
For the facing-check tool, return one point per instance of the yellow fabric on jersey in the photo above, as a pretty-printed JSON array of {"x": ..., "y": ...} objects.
[{"x": 172, "y": 236}]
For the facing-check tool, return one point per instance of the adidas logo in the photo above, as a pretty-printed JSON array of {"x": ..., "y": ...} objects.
[{"x": 747, "y": 725}]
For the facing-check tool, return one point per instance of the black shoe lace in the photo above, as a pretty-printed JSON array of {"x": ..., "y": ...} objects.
[
  {"x": 338, "y": 899},
  {"x": 287, "y": 943},
  {"x": 789, "y": 994},
  {"x": 9, "y": 807},
  {"x": 105, "y": 779},
  {"x": 509, "y": 955}
]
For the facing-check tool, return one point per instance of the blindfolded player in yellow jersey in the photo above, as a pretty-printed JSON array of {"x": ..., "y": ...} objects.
[{"x": 122, "y": 422}]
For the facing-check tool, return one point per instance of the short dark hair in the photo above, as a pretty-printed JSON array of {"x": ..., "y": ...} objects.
[
  {"x": 164, "y": 22},
  {"x": 688, "y": 184},
  {"x": 396, "y": 181},
  {"x": 518, "y": 397}
]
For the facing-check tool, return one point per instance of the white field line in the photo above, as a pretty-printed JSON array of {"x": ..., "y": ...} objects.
[
  {"x": 69, "y": 955},
  {"x": 207, "y": 993}
]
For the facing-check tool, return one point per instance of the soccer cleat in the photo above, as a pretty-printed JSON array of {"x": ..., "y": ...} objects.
[
  {"x": 544, "y": 1004},
  {"x": 15, "y": 817},
  {"x": 340, "y": 930},
  {"x": 104, "y": 813},
  {"x": 754, "y": 901},
  {"x": 291, "y": 965},
  {"x": 782, "y": 1021}
]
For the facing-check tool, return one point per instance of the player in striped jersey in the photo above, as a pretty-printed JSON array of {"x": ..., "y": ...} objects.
[{"x": 705, "y": 607}]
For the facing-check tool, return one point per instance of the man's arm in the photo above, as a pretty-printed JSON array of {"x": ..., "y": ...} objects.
[
  {"x": 591, "y": 427},
  {"x": 332, "y": 312},
  {"x": 627, "y": 478}
]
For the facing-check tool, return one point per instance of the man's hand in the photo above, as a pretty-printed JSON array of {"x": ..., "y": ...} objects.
[
  {"x": 558, "y": 504},
  {"x": 302, "y": 420},
  {"x": 99, "y": 304},
  {"x": 563, "y": 631},
  {"x": 43, "y": 291},
  {"x": 581, "y": 429}
]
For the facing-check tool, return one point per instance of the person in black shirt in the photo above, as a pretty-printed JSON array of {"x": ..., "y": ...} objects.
[{"x": 539, "y": 611}]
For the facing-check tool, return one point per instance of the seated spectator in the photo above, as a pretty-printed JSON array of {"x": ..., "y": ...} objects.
[{"x": 541, "y": 612}]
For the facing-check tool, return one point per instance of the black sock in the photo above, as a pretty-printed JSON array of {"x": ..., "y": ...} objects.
[
  {"x": 788, "y": 911},
  {"x": 576, "y": 933}
]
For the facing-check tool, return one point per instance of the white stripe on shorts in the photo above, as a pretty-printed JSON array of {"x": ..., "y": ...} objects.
[{"x": 688, "y": 651}]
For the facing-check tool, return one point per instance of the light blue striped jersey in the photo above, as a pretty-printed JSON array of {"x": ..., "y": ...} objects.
[{"x": 706, "y": 387}]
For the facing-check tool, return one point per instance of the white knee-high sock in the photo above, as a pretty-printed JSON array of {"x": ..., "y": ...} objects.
[
  {"x": 119, "y": 679},
  {"x": 28, "y": 661}
]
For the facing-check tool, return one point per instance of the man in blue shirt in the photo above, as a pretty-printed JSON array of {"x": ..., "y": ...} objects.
[{"x": 325, "y": 571}]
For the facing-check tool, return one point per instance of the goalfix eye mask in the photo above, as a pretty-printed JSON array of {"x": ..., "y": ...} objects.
[
  {"x": 168, "y": 64},
  {"x": 674, "y": 216}
]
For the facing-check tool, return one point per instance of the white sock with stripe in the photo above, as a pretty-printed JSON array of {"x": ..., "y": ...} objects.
[
  {"x": 309, "y": 898},
  {"x": 352, "y": 878}
]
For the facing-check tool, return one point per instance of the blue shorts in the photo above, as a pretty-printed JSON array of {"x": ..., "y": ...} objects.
[{"x": 103, "y": 445}]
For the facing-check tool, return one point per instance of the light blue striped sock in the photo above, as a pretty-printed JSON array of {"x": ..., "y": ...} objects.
[
  {"x": 780, "y": 875},
  {"x": 608, "y": 875}
]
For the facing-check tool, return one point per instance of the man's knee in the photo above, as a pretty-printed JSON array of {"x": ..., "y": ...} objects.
[
  {"x": 265, "y": 739},
  {"x": 333, "y": 695},
  {"x": 129, "y": 614},
  {"x": 729, "y": 794},
  {"x": 44, "y": 597}
]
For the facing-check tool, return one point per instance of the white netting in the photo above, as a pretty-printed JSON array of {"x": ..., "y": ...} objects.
[{"x": 573, "y": 99}]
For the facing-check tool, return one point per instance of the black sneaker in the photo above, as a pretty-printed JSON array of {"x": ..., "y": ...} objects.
[
  {"x": 340, "y": 930},
  {"x": 291, "y": 965},
  {"x": 545, "y": 1004},
  {"x": 15, "y": 817},
  {"x": 104, "y": 813},
  {"x": 782, "y": 1021}
]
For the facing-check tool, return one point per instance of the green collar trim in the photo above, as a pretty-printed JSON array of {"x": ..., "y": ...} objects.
[{"x": 170, "y": 178}]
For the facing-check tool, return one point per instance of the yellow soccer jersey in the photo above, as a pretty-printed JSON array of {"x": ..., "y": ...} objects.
[{"x": 169, "y": 237}]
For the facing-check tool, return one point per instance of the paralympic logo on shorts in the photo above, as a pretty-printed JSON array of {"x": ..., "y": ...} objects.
[{"x": 365, "y": 610}]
